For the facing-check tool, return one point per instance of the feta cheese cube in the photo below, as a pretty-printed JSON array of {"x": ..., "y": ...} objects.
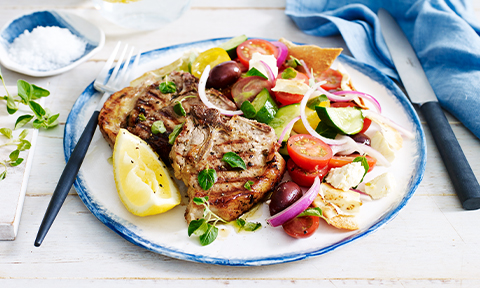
[
  {"x": 270, "y": 60},
  {"x": 346, "y": 177},
  {"x": 380, "y": 186}
]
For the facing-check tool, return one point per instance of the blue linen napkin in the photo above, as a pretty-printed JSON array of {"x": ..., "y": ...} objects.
[{"x": 444, "y": 34}]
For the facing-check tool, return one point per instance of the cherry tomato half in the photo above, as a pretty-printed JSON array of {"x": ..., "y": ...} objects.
[
  {"x": 333, "y": 78},
  {"x": 286, "y": 98},
  {"x": 210, "y": 57},
  {"x": 247, "y": 48},
  {"x": 339, "y": 161},
  {"x": 247, "y": 88},
  {"x": 304, "y": 177},
  {"x": 301, "y": 227},
  {"x": 308, "y": 152},
  {"x": 366, "y": 125}
]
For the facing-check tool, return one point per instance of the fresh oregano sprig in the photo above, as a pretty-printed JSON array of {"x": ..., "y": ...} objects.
[
  {"x": 27, "y": 93},
  {"x": 203, "y": 228},
  {"x": 20, "y": 142}
]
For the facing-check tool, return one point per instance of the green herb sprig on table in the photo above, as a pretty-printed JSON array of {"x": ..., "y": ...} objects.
[{"x": 27, "y": 94}]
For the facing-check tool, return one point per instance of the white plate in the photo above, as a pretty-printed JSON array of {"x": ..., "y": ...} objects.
[
  {"x": 86, "y": 31},
  {"x": 167, "y": 233}
]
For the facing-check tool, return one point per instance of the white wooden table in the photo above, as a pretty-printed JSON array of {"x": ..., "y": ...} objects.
[{"x": 431, "y": 243}]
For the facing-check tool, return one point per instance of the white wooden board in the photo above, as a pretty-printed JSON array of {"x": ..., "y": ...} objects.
[{"x": 14, "y": 186}]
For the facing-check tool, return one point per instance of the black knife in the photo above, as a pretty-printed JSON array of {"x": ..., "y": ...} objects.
[{"x": 420, "y": 92}]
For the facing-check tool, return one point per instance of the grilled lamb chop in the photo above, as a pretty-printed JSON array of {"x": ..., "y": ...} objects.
[
  {"x": 123, "y": 109},
  {"x": 205, "y": 138}
]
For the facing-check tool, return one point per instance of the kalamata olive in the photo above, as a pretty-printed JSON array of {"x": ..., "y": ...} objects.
[
  {"x": 284, "y": 195},
  {"x": 223, "y": 75},
  {"x": 361, "y": 138}
]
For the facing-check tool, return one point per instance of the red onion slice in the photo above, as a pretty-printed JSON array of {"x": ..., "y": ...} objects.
[
  {"x": 296, "y": 208},
  {"x": 289, "y": 125},
  {"x": 270, "y": 75},
  {"x": 309, "y": 128},
  {"x": 309, "y": 74},
  {"x": 362, "y": 95},
  {"x": 282, "y": 52},
  {"x": 203, "y": 96}
]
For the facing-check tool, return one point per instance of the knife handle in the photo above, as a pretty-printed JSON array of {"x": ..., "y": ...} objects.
[{"x": 463, "y": 180}]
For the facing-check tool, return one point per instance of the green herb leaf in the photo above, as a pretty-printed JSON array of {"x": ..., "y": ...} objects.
[
  {"x": 325, "y": 130},
  {"x": 197, "y": 227},
  {"x": 167, "y": 87},
  {"x": 247, "y": 226},
  {"x": 7, "y": 132},
  {"x": 200, "y": 200},
  {"x": 39, "y": 92},
  {"x": 22, "y": 120},
  {"x": 363, "y": 160},
  {"x": 209, "y": 236},
  {"x": 17, "y": 162},
  {"x": 12, "y": 106},
  {"x": 23, "y": 134},
  {"x": 206, "y": 178},
  {"x": 240, "y": 222},
  {"x": 141, "y": 117},
  {"x": 3, "y": 175},
  {"x": 289, "y": 73},
  {"x": 37, "y": 124},
  {"x": 293, "y": 62},
  {"x": 178, "y": 108},
  {"x": 158, "y": 127},
  {"x": 317, "y": 212},
  {"x": 252, "y": 226},
  {"x": 52, "y": 120},
  {"x": 25, "y": 91},
  {"x": 24, "y": 145},
  {"x": 248, "y": 185},
  {"x": 176, "y": 130},
  {"x": 234, "y": 160},
  {"x": 37, "y": 109},
  {"x": 14, "y": 155},
  {"x": 254, "y": 72}
]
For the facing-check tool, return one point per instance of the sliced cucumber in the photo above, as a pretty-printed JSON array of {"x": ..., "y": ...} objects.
[
  {"x": 283, "y": 117},
  {"x": 248, "y": 109},
  {"x": 231, "y": 45},
  {"x": 265, "y": 107},
  {"x": 346, "y": 120}
]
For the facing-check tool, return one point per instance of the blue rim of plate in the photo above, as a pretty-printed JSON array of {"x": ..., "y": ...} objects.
[{"x": 80, "y": 183}]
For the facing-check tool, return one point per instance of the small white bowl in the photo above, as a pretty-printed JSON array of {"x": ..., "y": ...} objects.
[{"x": 90, "y": 33}]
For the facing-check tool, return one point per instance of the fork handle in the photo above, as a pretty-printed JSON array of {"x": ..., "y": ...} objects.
[{"x": 68, "y": 177}]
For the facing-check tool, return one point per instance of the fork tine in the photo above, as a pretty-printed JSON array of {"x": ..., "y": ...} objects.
[
  {"x": 119, "y": 80},
  {"x": 113, "y": 76},
  {"x": 134, "y": 66},
  {"x": 102, "y": 76}
]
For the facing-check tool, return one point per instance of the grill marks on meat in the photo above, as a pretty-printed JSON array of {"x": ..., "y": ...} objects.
[
  {"x": 205, "y": 138},
  {"x": 123, "y": 108}
]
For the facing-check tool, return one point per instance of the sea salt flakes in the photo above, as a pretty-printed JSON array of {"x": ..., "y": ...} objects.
[{"x": 46, "y": 48}]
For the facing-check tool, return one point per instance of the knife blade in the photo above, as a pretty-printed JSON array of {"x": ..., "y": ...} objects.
[{"x": 420, "y": 92}]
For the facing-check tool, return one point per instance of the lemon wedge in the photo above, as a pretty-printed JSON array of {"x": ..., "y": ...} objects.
[{"x": 143, "y": 183}]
